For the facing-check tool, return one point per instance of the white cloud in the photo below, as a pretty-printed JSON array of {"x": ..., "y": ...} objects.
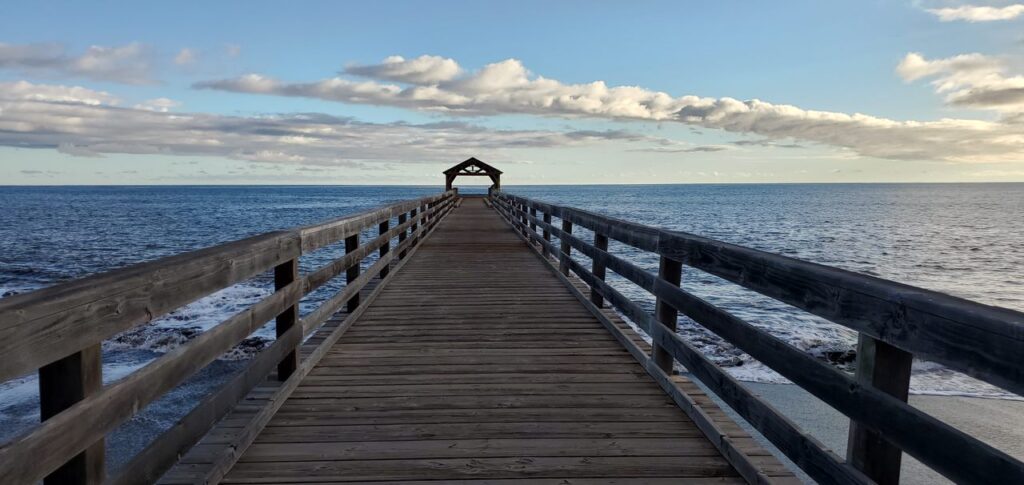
[
  {"x": 129, "y": 64},
  {"x": 507, "y": 87},
  {"x": 162, "y": 105},
  {"x": 977, "y": 13},
  {"x": 81, "y": 122},
  {"x": 185, "y": 57},
  {"x": 969, "y": 80},
  {"x": 421, "y": 70},
  {"x": 233, "y": 50},
  {"x": 26, "y": 91}
]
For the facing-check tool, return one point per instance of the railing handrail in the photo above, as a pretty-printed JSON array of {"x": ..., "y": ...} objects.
[
  {"x": 879, "y": 409},
  {"x": 60, "y": 322},
  {"x": 27, "y": 321},
  {"x": 911, "y": 318}
]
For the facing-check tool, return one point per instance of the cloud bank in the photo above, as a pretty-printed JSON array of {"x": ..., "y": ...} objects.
[
  {"x": 128, "y": 64},
  {"x": 975, "y": 13},
  {"x": 435, "y": 84},
  {"x": 969, "y": 80},
  {"x": 84, "y": 122}
]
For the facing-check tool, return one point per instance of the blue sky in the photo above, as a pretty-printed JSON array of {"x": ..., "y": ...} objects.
[{"x": 721, "y": 91}]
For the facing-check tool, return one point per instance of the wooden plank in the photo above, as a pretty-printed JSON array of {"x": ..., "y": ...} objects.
[{"x": 480, "y": 468}]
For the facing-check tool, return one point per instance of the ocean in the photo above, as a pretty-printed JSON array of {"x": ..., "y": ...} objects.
[{"x": 961, "y": 239}]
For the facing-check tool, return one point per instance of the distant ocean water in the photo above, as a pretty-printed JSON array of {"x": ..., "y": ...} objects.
[{"x": 962, "y": 239}]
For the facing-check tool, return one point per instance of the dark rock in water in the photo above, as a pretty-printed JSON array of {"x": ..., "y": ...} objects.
[{"x": 8, "y": 293}]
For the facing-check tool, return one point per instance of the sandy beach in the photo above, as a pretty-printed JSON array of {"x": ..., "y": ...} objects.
[{"x": 998, "y": 422}]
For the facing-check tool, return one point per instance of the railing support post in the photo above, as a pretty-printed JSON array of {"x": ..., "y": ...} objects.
[
  {"x": 284, "y": 274},
  {"x": 563, "y": 257},
  {"x": 382, "y": 229},
  {"x": 62, "y": 384},
  {"x": 351, "y": 244},
  {"x": 547, "y": 235},
  {"x": 412, "y": 229},
  {"x": 533, "y": 225},
  {"x": 598, "y": 269},
  {"x": 886, "y": 368},
  {"x": 671, "y": 271},
  {"x": 402, "y": 235}
]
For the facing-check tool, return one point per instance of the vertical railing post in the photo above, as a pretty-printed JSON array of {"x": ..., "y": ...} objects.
[
  {"x": 563, "y": 257},
  {"x": 533, "y": 225},
  {"x": 598, "y": 268},
  {"x": 547, "y": 234},
  {"x": 671, "y": 271},
  {"x": 382, "y": 229},
  {"x": 62, "y": 384},
  {"x": 402, "y": 235},
  {"x": 412, "y": 229},
  {"x": 887, "y": 369},
  {"x": 351, "y": 244},
  {"x": 284, "y": 274}
]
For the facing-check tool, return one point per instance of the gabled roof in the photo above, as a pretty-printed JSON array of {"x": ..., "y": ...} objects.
[{"x": 471, "y": 162}]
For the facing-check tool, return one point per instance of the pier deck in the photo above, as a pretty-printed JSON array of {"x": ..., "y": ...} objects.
[{"x": 476, "y": 362}]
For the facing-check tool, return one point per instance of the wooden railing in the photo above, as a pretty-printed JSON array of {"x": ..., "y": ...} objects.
[
  {"x": 58, "y": 331},
  {"x": 895, "y": 322}
]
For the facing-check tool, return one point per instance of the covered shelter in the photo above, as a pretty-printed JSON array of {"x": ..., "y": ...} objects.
[{"x": 473, "y": 168}]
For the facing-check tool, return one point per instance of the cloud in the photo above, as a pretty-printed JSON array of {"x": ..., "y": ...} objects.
[
  {"x": 162, "y": 105},
  {"x": 185, "y": 57},
  {"x": 507, "y": 87},
  {"x": 682, "y": 148},
  {"x": 233, "y": 50},
  {"x": 976, "y": 13},
  {"x": 421, "y": 70},
  {"x": 766, "y": 143},
  {"x": 128, "y": 64},
  {"x": 969, "y": 80},
  {"x": 82, "y": 122}
]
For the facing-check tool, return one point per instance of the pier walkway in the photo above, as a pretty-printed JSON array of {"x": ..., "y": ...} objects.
[
  {"x": 477, "y": 363},
  {"x": 476, "y": 340}
]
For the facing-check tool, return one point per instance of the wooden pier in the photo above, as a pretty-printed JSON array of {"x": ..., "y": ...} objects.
[{"x": 470, "y": 344}]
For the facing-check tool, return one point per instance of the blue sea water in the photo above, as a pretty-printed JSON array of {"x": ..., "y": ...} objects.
[{"x": 962, "y": 239}]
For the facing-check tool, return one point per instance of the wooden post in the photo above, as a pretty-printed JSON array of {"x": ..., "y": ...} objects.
[
  {"x": 284, "y": 274},
  {"x": 351, "y": 244},
  {"x": 533, "y": 225},
  {"x": 563, "y": 258},
  {"x": 402, "y": 235},
  {"x": 382, "y": 229},
  {"x": 62, "y": 384},
  {"x": 547, "y": 235},
  {"x": 886, "y": 368},
  {"x": 671, "y": 271},
  {"x": 598, "y": 269},
  {"x": 413, "y": 228}
]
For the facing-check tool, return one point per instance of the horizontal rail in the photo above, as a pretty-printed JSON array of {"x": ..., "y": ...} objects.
[
  {"x": 43, "y": 449},
  {"x": 980, "y": 340},
  {"x": 946, "y": 449},
  {"x": 42, "y": 326}
]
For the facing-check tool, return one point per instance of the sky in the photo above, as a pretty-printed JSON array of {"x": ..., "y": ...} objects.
[{"x": 565, "y": 92}]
